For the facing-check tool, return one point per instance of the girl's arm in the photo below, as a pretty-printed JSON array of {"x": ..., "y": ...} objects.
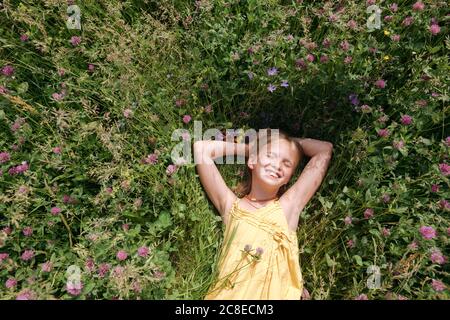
[
  {"x": 299, "y": 194},
  {"x": 218, "y": 192}
]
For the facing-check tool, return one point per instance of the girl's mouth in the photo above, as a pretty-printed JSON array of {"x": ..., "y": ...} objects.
[{"x": 272, "y": 174}]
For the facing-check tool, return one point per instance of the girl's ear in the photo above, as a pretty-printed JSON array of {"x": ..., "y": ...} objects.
[{"x": 251, "y": 161}]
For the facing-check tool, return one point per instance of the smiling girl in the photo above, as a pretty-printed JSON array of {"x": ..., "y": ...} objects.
[{"x": 259, "y": 258}]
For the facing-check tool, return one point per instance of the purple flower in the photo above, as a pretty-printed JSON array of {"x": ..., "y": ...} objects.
[
  {"x": 143, "y": 252},
  {"x": 103, "y": 269},
  {"x": 408, "y": 21},
  {"x": 386, "y": 198},
  {"x": 393, "y": 7},
  {"x": 75, "y": 40},
  {"x": 444, "y": 204},
  {"x": 380, "y": 83},
  {"x": 310, "y": 57},
  {"x": 151, "y": 159},
  {"x": 436, "y": 256},
  {"x": 272, "y": 71},
  {"x": 259, "y": 251},
  {"x": 11, "y": 282},
  {"x": 24, "y": 37},
  {"x": 187, "y": 118},
  {"x": 74, "y": 288},
  {"x": 435, "y": 188},
  {"x": 361, "y": 297},
  {"x": 412, "y": 245},
  {"x": 388, "y": 18},
  {"x": 352, "y": 24},
  {"x": 368, "y": 213},
  {"x": 3, "y": 256},
  {"x": 326, "y": 43},
  {"x": 171, "y": 168},
  {"x": 383, "y": 132},
  {"x": 27, "y": 255},
  {"x": 438, "y": 285},
  {"x": 444, "y": 168},
  {"x": 248, "y": 248},
  {"x": 435, "y": 29},
  {"x": 4, "y": 157},
  {"x": 91, "y": 67},
  {"x": 57, "y": 96},
  {"x": 324, "y": 58},
  {"x": 55, "y": 211},
  {"x": 8, "y": 70},
  {"x": 284, "y": 83},
  {"x": 271, "y": 88},
  {"x": 348, "y": 220},
  {"x": 26, "y": 294},
  {"x": 348, "y": 59},
  {"x": 406, "y": 119},
  {"x": 121, "y": 255},
  {"x": 300, "y": 63},
  {"x": 395, "y": 37},
  {"x": 447, "y": 141},
  {"x": 428, "y": 232},
  {"x": 386, "y": 232},
  {"x": 127, "y": 113},
  {"x": 398, "y": 144},
  {"x": 418, "y": 6},
  {"x": 27, "y": 231},
  {"x": 353, "y": 99},
  {"x": 47, "y": 266},
  {"x": 251, "y": 75},
  {"x": 350, "y": 244},
  {"x": 345, "y": 45}
]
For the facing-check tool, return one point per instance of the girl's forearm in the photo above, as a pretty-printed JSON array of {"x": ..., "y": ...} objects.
[
  {"x": 216, "y": 149},
  {"x": 311, "y": 147}
]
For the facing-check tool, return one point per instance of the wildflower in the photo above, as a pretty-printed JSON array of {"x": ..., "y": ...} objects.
[
  {"x": 24, "y": 37},
  {"x": 332, "y": 18},
  {"x": 380, "y": 83},
  {"x": 353, "y": 99},
  {"x": 406, "y": 119},
  {"x": 395, "y": 37},
  {"x": 348, "y": 220},
  {"x": 305, "y": 294},
  {"x": 361, "y": 297},
  {"x": 75, "y": 40},
  {"x": 284, "y": 84},
  {"x": 310, "y": 57},
  {"x": 271, "y": 88},
  {"x": 118, "y": 271},
  {"x": 373, "y": 50},
  {"x": 398, "y": 144},
  {"x": 350, "y": 244},
  {"x": 26, "y": 294},
  {"x": 434, "y": 188},
  {"x": 386, "y": 33},
  {"x": 444, "y": 168},
  {"x": 370, "y": 2},
  {"x": 8, "y": 70},
  {"x": 57, "y": 96},
  {"x": 27, "y": 255},
  {"x": 27, "y": 231},
  {"x": 348, "y": 59},
  {"x": 326, "y": 43},
  {"x": 368, "y": 213},
  {"x": 393, "y": 7},
  {"x": 345, "y": 45},
  {"x": 352, "y": 24},
  {"x": 3, "y": 90},
  {"x": 448, "y": 231},
  {"x": 383, "y": 132},
  {"x": 251, "y": 75},
  {"x": 127, "y": 113},
  {"x": 171, "y": 168},
  {"x": 143, "y": 252},
  {"x": 436, "y": 256},
  {"x": 121, "y": 255},
  {"x": 55, "y": 211},
  {"x": 3, "y": 256},
  {"x": 126, "y": 227},
  {"x": 7, "y": 230},
  {"x": 68, "y": 199},
  {"x": 74, "y": 288},
  {"x": 57, "y": 150},
  {"x": 418, "y": 6},
  {"x": 413, "y": 245},
  {"x": 435, "y": 29},
  {"x": 46, "y": 266},
  {"x": 386, "y": 198},
  {"x": 248, "y": 248},
  {"x": 91, "y": 67},
  {"x": 159, "y": 274},
  {"x": 427, "y": 232},
  {"x": 151, "y": 159},
  {"x": 386, "y": 232},
  {"x": 4, "y": 157},
  {"x": 272, "y": 71},
  {"x": 408, "y": 21},
  {"x": 11, "y": 282},
  {"x": 136, "y": 287},
  {"x": 187, "y": 118},
  {"x": 444, "y": 204},
  {"x": 386, "y": 57},
  {"x": 388, "y": 18},
  {"x": 438, "y": 285},
  {"x": 61, "y": 72},
  {"x": 324, "y": 58},
  {"x": 447, "y": 141},
  {"x": 103, "y": 269},
  {"x": 422, "y": 102},
  {"x": 259, "y": 251}
]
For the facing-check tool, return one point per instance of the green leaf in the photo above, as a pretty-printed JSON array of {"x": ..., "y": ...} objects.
[{"x": 358, "y": 260}]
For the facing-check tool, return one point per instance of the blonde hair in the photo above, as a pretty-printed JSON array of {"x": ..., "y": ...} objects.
[{"x": 264, "y": 137}]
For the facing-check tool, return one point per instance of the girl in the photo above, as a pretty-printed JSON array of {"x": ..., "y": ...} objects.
[{"x": 259, "y": 256}]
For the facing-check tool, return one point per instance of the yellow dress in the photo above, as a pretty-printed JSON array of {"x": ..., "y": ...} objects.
[{"x": 276, "y": 275}]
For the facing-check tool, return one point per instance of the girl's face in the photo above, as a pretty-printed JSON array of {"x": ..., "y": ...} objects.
[{"x": 276, "y": 163}]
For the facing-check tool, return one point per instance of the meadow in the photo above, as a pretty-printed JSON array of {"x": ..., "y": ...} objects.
[{"x": 92, "y": 205}]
